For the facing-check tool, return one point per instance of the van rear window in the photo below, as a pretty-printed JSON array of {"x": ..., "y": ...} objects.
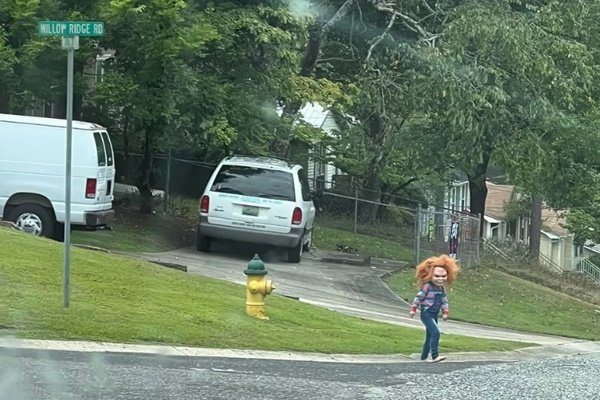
[
  {"x": 100, "y": 149},
  {"x": 109, "y": 150},
  {"x": 256, "y": 182}
]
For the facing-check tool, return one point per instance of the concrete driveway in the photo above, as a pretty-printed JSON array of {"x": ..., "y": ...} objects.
[{"x": 350, "y": 289}]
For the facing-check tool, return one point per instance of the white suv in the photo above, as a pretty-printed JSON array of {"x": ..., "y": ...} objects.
[{"x": 261, "y": 200}]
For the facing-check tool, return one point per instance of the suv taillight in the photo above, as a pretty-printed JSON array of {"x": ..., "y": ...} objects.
[
  {"x": 204, "y": 203},
  {"x": 297, "y": 216},
  {"x": 90, "y": 188}
]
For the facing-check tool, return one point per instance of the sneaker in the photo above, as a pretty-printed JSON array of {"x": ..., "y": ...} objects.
[{"x": 438, "y": 359}]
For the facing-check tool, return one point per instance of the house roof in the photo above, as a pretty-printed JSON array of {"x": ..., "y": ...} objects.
[
  {"x": 553, "y": 221},
  {"x": 314, "y": 114},
  {"x": 550, "y": 235},
  {"x": 497, "y": 197}
]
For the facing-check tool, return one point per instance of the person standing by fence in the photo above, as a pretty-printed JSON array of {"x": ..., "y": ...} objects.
[
  {"x": 432, "y": 276},
  {"x": 453, "y": 242}
]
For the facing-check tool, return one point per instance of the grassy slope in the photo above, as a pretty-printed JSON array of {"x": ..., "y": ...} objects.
[
  {"x": 490, "y": 297},
  {"x": 126, "y": 300},
  {"x": 133, "y": 231}
]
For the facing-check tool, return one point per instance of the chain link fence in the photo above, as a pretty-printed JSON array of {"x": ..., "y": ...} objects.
[{"x": 352, "y": 221}]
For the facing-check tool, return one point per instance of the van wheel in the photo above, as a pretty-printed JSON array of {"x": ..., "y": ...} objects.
[
  {"x": 202, "y": 242},
  {"x": 59, "y": 232},
  {"x": 34, "y": 219},
  {"x": 295, "y": 253}
]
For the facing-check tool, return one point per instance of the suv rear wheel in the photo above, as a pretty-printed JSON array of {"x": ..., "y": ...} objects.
[{"x": 295, "y": 253}]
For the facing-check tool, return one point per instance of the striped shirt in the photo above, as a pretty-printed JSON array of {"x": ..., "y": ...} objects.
[{"x": 426, "y": 298}]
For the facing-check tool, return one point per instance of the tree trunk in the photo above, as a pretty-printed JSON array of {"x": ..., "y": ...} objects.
[
  {"x": 143, "y": 185},
  {"x": 375, "y": 135},
  {"x": 535, "y": 229},
  {"x": 313, "y": 48},
  {"x": 478, "y": 188}
]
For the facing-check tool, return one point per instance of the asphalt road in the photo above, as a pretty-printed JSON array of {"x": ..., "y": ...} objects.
[{"x": 45, "y": 375}]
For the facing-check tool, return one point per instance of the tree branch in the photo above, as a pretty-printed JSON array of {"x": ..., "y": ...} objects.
[
  {"x": 381, "y": 37},
  {"x": 316, "y": 33},
  {"x": 343, "y": 10},
  {"x": 410, "y": 23}
]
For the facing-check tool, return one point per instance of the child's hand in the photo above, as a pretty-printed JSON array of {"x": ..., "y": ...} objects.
[{"x": 413, "y": 311}]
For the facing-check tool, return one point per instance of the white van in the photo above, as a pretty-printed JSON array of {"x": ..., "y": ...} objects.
[
  {"x": 32, "y": 174},
  {"x": 261, "y": 200}
]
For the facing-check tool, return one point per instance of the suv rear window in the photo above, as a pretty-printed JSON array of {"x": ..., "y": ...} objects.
[{"x": 256, "y": 182}]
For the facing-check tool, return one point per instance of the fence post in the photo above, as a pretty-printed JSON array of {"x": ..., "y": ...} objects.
[
  {"x": 479, "y": 241},
  {"x": 418, "y": 235},
  {"x": 355, "y": 208},
  {"x": 168, "y": 184}
]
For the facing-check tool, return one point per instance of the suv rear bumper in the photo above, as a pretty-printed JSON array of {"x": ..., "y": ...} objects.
[
  {"x": 290, "y": 239},
  {"x": 99, "y": 218}
]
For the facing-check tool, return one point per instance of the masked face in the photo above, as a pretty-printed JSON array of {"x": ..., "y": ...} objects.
[{"x": 439, "y": 276}]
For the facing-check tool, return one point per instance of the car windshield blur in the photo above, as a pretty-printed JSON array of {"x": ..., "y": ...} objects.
[{"x": 256, "y": 182}]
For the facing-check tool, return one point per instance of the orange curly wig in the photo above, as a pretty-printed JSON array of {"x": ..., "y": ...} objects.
[{"x": 424, "y": 271}]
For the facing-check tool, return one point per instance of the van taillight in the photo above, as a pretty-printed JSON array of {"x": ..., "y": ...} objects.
[
  {"x": 297, "y": 216},
  {"x": 204, "y": 203},
  {"x": 90, "y": 188}
]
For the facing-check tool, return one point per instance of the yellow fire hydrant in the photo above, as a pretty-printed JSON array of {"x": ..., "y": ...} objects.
[{"x": 257, "y": 288}]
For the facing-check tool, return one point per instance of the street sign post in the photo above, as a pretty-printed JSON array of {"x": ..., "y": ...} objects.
[{"x": 70, "y": 32}]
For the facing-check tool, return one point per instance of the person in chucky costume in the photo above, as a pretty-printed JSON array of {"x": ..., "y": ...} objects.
[{"x": 433, "y": 276}]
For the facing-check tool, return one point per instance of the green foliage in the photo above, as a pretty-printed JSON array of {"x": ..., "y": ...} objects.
[
  {"x": 464, "y": 83},
  {"x": 518, "y": 206},
  {"x": 584, "y": 223}
]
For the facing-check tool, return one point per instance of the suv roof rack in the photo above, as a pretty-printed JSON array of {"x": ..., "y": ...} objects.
[{"x": 271, "y": 159}]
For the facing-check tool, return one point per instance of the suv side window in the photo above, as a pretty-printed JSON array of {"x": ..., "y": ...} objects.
[{"x": 304, "y": 185}]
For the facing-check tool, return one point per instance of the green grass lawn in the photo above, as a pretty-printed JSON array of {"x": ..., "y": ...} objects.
[
  {"x": 119, "y": 299},
  {"x": 326, "y": 238},
  {"x": 136, "y": 232},
  {"x": 486, "y": 296}
]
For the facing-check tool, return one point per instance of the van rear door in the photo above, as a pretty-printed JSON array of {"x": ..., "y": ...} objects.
[
  {"x": 253, "y": 198},
  {"x": 106, "y": 169}
]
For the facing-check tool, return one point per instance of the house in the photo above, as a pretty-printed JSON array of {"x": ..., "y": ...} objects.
[
  {"x": 558, "y": 249},
  {"x": 318, "y": 170},
  {"x": 495, "y": 223}
]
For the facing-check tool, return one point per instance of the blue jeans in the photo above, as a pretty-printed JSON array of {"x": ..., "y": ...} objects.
[{"x": 432, "y": 335}]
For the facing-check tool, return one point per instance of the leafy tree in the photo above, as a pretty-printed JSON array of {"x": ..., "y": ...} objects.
[
  {"x": 498, "y": 75},
  {"x": 202, "y": 76},
  {"x": 33, "y": 68}
]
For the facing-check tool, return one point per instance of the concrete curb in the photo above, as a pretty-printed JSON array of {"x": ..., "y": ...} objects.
[{"x": 529, "y": 353}]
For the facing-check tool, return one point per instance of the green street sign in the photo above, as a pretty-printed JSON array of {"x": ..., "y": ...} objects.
[{"x": 70, "y": 28}]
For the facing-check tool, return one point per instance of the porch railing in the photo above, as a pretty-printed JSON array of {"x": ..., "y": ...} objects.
[
  {"x": 548, "y": 263},
  {"x": 590, "y": 269}
]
